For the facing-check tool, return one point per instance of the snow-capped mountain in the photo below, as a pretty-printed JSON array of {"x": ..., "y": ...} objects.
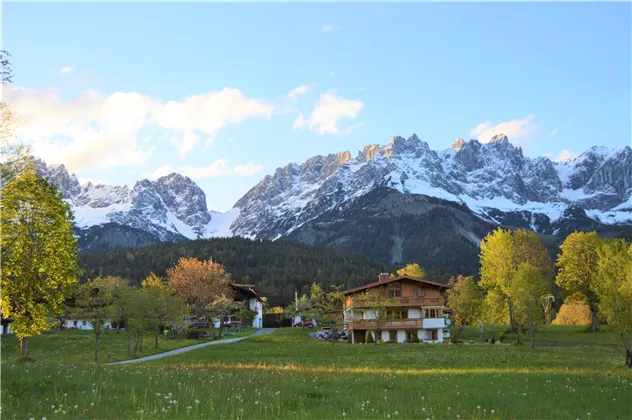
[
  {"x": 171, "y": 208},
  {"x": 495, "y": 180}
]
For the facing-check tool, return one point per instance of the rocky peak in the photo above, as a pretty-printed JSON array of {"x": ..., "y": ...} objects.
[
  {"x": 458, "y": 144},
  {"x": 499, "y": 138},
  {"x": 68, "y": 185}
]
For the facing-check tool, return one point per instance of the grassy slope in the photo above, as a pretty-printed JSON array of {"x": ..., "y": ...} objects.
[
  {"x": 289, "y": 375},
  {"x": 77, "y": 346}
]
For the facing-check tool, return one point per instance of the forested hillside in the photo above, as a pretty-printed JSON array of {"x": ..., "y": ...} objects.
[{"x": 278, "y": 268}]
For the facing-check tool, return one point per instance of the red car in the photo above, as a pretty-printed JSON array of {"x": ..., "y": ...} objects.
[{"x": 309, "y": 324}]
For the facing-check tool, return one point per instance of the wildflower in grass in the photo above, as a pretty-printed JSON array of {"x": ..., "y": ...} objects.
[
  {"x": 91, "y": 404},
  {"x": 197, "y": 401},
  {"x": 56, "y": 411},
  {"x": 76, "y": 406},
  {"x": 344, "y": 414},
  {"x": 157, "y": 394},
  {"x": 492, "y": 411},
  {"x": 43, "y": 418},
  {"x": 141, "y": 411}
]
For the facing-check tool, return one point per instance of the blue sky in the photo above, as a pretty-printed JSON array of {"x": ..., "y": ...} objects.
[{"x": 123, "y": 91}]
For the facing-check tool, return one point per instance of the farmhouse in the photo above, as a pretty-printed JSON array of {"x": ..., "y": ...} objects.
[{"x": 397, "y": 309}]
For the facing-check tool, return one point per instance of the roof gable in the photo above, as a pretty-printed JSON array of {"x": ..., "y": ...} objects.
[{"x": 395, "y": 279}]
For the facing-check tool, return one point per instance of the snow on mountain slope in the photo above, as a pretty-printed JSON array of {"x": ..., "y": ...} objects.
[{"x": 493, "y": 179}]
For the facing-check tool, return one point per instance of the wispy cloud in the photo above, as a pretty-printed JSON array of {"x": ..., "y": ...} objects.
[
  {"x": 160, "y": 172},
  {"x": 513, "y": 129},
  {"x": 359, "y": 89},
  {"x": 301, "y": 90},
  {"x": 328, "y": 112},
  {"x": 554, "y": 132},
  {"x": 565, "y": 155},
  {"x": 221, "y": 167},
  {"x": 330, "y": 28},
  {"x": 67, "y": 69}
]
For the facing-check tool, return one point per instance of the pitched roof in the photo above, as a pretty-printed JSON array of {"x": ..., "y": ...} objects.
[
  {"x": 381, "y": 283},
  {"x": 247, "y": 289}
]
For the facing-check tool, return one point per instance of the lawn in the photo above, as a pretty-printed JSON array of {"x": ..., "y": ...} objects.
[
  {"x": 77, "y": 346},
  {"x": 573, "y": 374}
]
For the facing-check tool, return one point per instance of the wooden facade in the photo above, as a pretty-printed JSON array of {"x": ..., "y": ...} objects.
[{"x": 396, "y": 309}]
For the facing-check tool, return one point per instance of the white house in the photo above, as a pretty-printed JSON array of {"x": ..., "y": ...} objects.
[
  {"x": 250, "y": 295},
  {"x": 82, "y": 324}
]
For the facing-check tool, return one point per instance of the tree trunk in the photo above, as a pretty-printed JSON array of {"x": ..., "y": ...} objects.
[
  {"x": 129, "y": 342},
  {"x": 593, "y": 314},
  {"x": 118, "y": 327},
  {"x": 140, "y": 347},
  {"x": 96, "y": 348},
  {"x": 156, "y": 332},
  {"x": 627, "y": 343},
  {"x": 458, "y": 332},
  {"x": 24, "y": 346},
  {"x": 512, "y": 322},
  {"x": 136, "y": 341},
  {"x": 531, "y": 330}
]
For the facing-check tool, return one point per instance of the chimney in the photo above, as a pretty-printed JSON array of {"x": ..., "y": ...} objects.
[{"x": 384, "y": 277}]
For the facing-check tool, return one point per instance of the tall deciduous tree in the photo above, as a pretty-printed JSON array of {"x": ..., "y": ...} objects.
[
  {"x": 613, "y": 286},
  {"x": 39, "y": 254},
  {"x": 94, "y": 302},
  {"x": 164, "y": 308},
  {"x": 199, "y": 283},
  {"x": 577, "y": 264},
  {"x": 466, "y": 300},
  {"x": 528, "y": 287},
  {"x": 502, "y": 252}
]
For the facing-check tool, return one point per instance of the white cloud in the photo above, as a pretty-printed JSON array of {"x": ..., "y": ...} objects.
[
  {"x": 160, "y": 172},
  {"x": 207, "y": 113},
  {"x": 513, "y": 129},
  {"x": 88, "y": 131},
  {"x": 93, "y": 130},
  {"x": 221, "y": 167},
  {"x": 330, "y": 28},
  {"x": 67, "y": 69},
  {"x": 554, "y": 132},
  {"x": 301, "y": 90},
  {"x": 565, "y": 155},
  {"x": 327, "y": 113}
]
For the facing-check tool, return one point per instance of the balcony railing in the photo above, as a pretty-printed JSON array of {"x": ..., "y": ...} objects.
[
  {"x": 370, "y": 324},
  {"x": 395, "y": 302}
]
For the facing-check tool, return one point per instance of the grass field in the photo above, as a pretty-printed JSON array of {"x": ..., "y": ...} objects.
[
  {"x": 573, "y": 374},
  {"x": 77, "y": 346}
]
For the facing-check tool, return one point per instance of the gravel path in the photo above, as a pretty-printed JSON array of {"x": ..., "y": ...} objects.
[{"x": 262, "y": 331}]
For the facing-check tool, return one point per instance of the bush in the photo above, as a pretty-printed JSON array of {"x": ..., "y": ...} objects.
[
  {"x": 246, "y": 317},
  {"x": 325, "y": 322},
  {"x": 369, "y": 338},
  {"x": 414, "y": 339},
  {"x": 193, "y": 334},
  {"x": 573, "y": 313},
  {"x": 499, "y": 336}
]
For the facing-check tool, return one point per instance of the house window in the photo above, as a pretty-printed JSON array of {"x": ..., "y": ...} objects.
[
  {"x": 423, "y": 292},
  {"x": 433, "y": 313},
  {"x": 395, "y": 293},
  {"x": 401, "y": 314},
  {"x": 83, "y": 323},
  {"x": 74, "y": 324},
  {"x": 392, "y": 335}
]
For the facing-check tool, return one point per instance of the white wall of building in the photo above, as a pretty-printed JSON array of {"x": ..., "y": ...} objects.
[
  {"x": 433, "y": 323},
  {"x": 82, "y": 324},
  {"x": 256, "y": 306},
  {"x": 401, "y": 336},
  {"x": 414, "y": 313}
]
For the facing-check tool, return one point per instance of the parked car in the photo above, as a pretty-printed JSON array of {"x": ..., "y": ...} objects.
[{"x": 309, "y": 324}]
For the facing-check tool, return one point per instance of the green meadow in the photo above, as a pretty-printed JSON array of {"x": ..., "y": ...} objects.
[{"x": 570, "y": 374}]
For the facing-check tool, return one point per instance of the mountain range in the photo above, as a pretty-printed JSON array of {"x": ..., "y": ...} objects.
[{"x": 398, "y": 203}]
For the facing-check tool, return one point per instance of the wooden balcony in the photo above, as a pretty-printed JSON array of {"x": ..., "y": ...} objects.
[
  {"x": 395, "y": 302},
  {"x": 369, "y": 324}
]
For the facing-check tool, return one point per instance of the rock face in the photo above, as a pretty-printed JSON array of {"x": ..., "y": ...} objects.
[
  {"x": 171, "y": 208},
  {"x": 495, "y": 180},
  {"x": 464, "y": 191},
  {"x": 340, "y": 336}
]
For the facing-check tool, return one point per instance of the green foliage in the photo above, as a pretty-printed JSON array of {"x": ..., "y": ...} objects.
[
  {"x": 613, "y": 286},
  {"x": 222, "y": 307},
  {"x": 303, "y": 307},
  {"x": 193, "y": 333},
  {"x": 466, "y": 300},
  {"x": 278, "y": 268},
  {"x": 369, "y": 337},
  {"x": 412, "y": 270},
  {"x": 499, "y": 336},
  {"x": 415, "y": 338},
  {"x": 527, "y": 288},
  {"x": 39, "y": 253},
  {"x": 577, "y": 264},
  {"x": 246, "y": 317},
  {"x": 95, "y": 303}
]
